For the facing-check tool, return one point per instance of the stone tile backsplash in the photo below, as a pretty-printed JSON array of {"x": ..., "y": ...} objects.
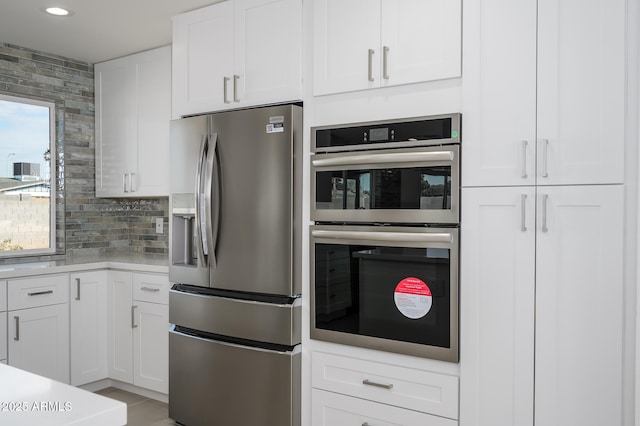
[{"x": 86, "y": 225}]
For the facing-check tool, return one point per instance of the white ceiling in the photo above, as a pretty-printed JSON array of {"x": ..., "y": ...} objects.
[{"x": 96, "y": 31}]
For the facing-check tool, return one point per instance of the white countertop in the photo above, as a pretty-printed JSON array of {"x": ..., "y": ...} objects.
[
  {"x": 138, "y": 263},
  {"x": 28, "y": 399}
]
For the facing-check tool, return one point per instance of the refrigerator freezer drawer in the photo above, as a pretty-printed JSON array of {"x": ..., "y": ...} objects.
[
  {"x": 213, "y": 382},
  {"x": 244, "y": 319}
]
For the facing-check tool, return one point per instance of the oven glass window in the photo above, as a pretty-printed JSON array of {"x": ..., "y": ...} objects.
[
  {"x": 419, "y": 188},
  {"x": 396, "y": 293}
]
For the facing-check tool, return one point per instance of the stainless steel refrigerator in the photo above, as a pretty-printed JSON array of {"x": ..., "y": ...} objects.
[{"x": 235, "y": 248}]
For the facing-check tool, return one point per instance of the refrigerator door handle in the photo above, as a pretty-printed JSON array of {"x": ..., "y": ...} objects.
[
  {"x": 212, "y": 198},
  {"x": 253, "y": 349},
  {"x": 199, "y": 212}
]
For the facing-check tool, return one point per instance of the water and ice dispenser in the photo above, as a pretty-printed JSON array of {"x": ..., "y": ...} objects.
[{"x": 184, "y": 249}]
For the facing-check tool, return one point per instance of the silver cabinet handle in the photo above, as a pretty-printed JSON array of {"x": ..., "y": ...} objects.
[
  {"x": 149, "y": 289},
  {"x": 523, "y": 212},
  {"x": 545, "y": 158},
  {"x": 132, "y": 185},
  {"x": 133, "y": 316},
  {"x": 77, "y": 288},
  {"x": 385, "y": 54},
  {"x": 545, "y": 202},
  {"x": 377, "y": 385},
  {"x": 39, "y": 293},
  {"x": 370, "y": 64},
  {"x": 225, "y": 95},
  {"x": 124, "y": 182},
  {"x": 17, "y": 328},
  {"x": 235, "y": 88},
  {"x": 524, "y": 159}
]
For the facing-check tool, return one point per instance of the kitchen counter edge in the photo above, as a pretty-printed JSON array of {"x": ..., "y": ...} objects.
[{"x": 151, "y": 264}]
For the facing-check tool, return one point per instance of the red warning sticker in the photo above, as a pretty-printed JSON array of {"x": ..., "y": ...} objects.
[{"x": 413, "y": 298}]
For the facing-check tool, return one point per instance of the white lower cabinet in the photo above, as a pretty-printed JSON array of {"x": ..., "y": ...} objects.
[
  {"x": 331, "y": 409},
  {"x": 542, "y": 306},
  {"x": 3, "y": 322},
  {"x": 151, "y": 346},
  {"x": 39, "y": 341},
  {"x": 88, "y": 311},
  {"x": 3, "y": 336},
  {"x": 349, "y": 390},
  {"x": 138, "y": 329},
  {"x": 38, "y": 325}
]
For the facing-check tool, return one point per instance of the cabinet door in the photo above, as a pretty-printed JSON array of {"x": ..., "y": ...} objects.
[
  {"x": 153, "y": 288},
  {"x": 579, "y": 306},
  {"x": 202, "y": 59},
  {"x": 582, "y": 91},
  {"x": 268, "y": 50},
  {"x": 116, "y": 112},
  {"x": 119, "y": 326},
  {"x": 154, "y": 114},
  {"x": 88, "y": 307},
  {"x": 499, "y": 93},
  {"x": 3, "y": 295},
  {"x": 3, "y": 336},
  {"x": 343, "y": 34},
  {"x": 39, "y": 341},
  {"x": 151, "y": 346},
  {"x": 497, "y": 308},
  {"x": 420, "y": 40},
  {"x": 3, "y": 321},
  {"x": 331, "y": 409}
]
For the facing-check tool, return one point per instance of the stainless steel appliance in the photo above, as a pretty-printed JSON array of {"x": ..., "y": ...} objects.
[
  {"x": 384, "y": 247},
  {"x": 391, "y": 171},
  {"x": 234, "y": 343}
]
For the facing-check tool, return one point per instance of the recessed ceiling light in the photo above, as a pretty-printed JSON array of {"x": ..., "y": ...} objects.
[{"x": 58, "y": 11}]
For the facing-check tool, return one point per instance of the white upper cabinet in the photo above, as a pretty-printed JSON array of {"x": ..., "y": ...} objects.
[
  {"x": 268, "y": 50},
  {"x": 116, "y": 126},
  {"x": 581, "y": 91},
  {"x": 202, "y": 58},
  {"x": 544, "y": 92},
  {"x": 237, "y": 53},
  {"x": 499, "y": 93},
  {"x": 362, "y": 44},
  {"x": 133, "y": 110}
]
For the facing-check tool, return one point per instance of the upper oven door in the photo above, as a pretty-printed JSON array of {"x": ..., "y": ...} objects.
[{"x": 412, "y": 185}]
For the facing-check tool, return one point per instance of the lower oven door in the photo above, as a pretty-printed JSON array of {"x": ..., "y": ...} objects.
[{"x": 388, "y": 288}]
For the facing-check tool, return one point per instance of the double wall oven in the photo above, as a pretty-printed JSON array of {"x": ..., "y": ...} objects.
[{"x": 386, "y": 205}]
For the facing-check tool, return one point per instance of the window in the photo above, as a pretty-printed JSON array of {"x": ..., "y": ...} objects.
[{"x": 27, "y": 177}]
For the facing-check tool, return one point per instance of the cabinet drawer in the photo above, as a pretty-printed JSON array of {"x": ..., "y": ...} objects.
[
  {"x": 37, "y": 291},
  {"x": 151, "y": 288},
  {"x": 330, "y": 409},
  {"x": 418, "y": 390},
  {"x": 3, "y": 296},
  {"x": 3, "y": 335}
]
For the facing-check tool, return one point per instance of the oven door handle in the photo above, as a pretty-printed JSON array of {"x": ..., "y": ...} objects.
[
  {"x": 409, "y": 237},
  {"x": 385, "y": 158}
]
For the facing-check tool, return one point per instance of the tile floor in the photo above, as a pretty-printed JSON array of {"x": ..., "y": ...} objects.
[{"x": 141, "y": 411}]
